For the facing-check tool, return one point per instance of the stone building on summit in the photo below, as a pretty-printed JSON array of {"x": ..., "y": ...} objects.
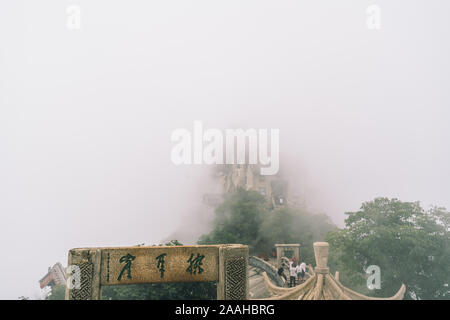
[{"x": 248, "y": 177}]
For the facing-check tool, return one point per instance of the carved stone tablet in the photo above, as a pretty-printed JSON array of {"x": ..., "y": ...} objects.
[
  {"x": 135, "y": 265},
  {"x": 225, "y": 264}
]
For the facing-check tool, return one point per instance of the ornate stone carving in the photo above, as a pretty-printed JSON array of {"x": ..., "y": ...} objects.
[
  {"x": 236, "y": 279},
  {"x": 226, "y": 264},
  {"x": 85, "y": 290}
]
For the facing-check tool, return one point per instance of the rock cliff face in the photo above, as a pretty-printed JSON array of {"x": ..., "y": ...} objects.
[{"x": 248, "y": 177}]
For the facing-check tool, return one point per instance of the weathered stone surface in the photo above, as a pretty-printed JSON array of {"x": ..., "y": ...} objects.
[
  {"x": 233, "y": 279},
  {"x": 159, "y": 264},
  {"x": 321, "y": 285},
  {"x": 271, "y": 271},
  {"x": 227, "y": 264},
  {"x": 88, "y": 262},
  {"x": 257, "y": 286}
]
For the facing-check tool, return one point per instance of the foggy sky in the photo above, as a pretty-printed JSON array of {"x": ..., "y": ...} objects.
[{"x": 86, "y": 115}]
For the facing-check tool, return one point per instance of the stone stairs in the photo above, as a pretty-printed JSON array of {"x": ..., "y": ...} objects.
[{"x": 257, "y": 286}]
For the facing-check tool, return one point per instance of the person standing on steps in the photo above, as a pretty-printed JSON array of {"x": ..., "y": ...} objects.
[
  {"x": 302, "y": 271},
  {"x": 298, "y": 272},
  {"x": 292, "y": 275},
  {"x": 281, "y": 272}
]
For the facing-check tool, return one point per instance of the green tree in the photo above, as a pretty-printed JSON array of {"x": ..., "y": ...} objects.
[
  {"x": 409, "y": 244},
  {"x": 57, "y": 292},
  {"x": 238, "y": 220},
  {"x": 244, "y": 218},
  {"x": 295, "y": 225}
]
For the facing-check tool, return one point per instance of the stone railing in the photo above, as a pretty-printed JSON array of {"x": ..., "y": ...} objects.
[
  {"x": 321, "y": 285},
  {"x": 270, "y": 270}
]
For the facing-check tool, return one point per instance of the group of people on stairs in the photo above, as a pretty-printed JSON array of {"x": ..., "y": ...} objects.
[{"x": 297, "y": 271}]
